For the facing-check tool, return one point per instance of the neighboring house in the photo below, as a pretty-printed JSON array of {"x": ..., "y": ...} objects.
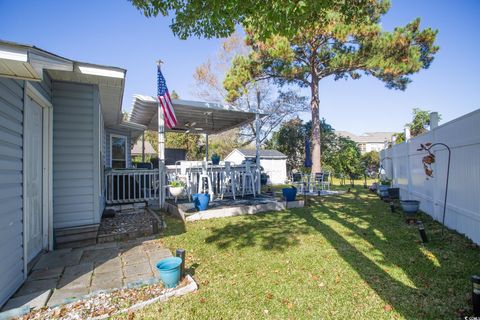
[
  {"x": 273, "y": 162},
  {"x": 171, "y": 155},
  {"x": 368, "y": 141},
  {"x": 145, "y": 148}
]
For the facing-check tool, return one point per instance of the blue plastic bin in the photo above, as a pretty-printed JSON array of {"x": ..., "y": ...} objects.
[
  {"x": 201, "y": 200},
  {"x": 169, "y": 270}
]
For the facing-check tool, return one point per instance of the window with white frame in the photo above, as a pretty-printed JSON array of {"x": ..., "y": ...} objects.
[{"x": 118, "y": 151}]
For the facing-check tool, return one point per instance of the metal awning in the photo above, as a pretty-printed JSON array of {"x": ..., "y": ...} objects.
[
  {"x": 27, "y": 62},
  {"x": 192, "y": 116}
]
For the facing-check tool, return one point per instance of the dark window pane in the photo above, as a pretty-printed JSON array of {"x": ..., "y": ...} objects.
[
  {"x": 119, "y": 151},
  {"x": 119, "y": 164}
]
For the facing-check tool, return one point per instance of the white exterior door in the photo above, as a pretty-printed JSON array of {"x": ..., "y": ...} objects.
[{"x": 33, "y": 157}]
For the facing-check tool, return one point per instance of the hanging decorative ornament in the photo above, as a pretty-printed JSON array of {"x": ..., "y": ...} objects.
[{"x": 428, "y": 160}]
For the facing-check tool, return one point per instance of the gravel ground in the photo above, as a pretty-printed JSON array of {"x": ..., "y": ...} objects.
[
  {"x": 97, "y": 305},
  {"x": 128, "y": 222}
]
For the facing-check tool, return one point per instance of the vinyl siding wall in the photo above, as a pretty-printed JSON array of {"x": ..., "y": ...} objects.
[
  {"x": 11, "y": 186},
  {"x": 76, "y": 155},
  {"x": 276, "y": 169},
  {"x": 235, "y": 157},
  {"x": 102, "y": 164}
]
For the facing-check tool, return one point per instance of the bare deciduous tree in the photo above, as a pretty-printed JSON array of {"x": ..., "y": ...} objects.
[{"x": 278, "y": 106}]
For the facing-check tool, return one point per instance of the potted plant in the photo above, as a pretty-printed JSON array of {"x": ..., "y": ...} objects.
[
  {"x": 201, "y": 201},
  {"x": 383, "y": 188},
  {"x": 385, "y": 182},
  {"x": 289, "y": 194},
  {"x": 176, "y": 188},
  {"x": 215, "y": 159},
  {"x": 410, "y": 207}
]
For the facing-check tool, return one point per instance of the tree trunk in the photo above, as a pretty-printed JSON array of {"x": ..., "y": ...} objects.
[{"x": 315, "y": 143}]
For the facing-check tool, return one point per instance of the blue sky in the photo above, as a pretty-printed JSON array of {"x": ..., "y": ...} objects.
[{"x": 113, "y": 32}]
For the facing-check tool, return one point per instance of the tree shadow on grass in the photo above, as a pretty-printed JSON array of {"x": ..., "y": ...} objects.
[
  {"x": 174, "y": 226},
  {"x": 271, "y": 231},
  {"x": 387, "y": 287},
  {"x": 427, "y": 281},
  {"x": 418, "y": 282}
]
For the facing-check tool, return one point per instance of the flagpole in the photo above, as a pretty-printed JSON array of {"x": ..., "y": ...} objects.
[{"x": 161, "y": 151}]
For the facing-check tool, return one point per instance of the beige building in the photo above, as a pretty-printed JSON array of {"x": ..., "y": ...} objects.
[{"x": 368, "y": 141}]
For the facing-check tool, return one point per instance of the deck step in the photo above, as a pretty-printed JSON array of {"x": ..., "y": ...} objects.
[{"x": 76, "y": 237}]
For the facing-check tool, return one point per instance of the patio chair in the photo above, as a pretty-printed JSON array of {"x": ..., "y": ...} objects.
[
  {"x": 296, "y": 177},
  {"x": 248, "y": 178},
  {"x": 326, "y": 181},
  {"x": 317, "y": 182},
  {"x": 205, "y": 180},
  {"x": 297, "y": 181},
  {"x": 228, "y": 182},
  {"x": 185, "y": 175}
]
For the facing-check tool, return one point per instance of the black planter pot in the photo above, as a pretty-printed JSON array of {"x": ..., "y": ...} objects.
[{"x": 394, "y": 193}]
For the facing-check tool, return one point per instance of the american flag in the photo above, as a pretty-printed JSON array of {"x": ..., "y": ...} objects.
[{"x": 165, "y": 101}]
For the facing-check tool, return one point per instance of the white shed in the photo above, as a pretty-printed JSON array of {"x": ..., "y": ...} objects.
[{"x": 273, "y": 162}]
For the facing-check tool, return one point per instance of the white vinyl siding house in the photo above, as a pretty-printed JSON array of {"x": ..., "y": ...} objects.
[
  {"x": 273, "y": 162},
  {"x": 55, "y": 118}
]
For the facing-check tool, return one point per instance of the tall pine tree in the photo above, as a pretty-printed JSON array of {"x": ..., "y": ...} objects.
[{"x": 337, "y": 45}]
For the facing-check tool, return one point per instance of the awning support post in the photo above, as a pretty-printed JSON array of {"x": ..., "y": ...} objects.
[
  {"x": 161, "y": 155},
  {"x": 143, "y": 146},
  {"x": 257, "y": 148},
  {"x": 161, "y": 158},
  {"x": 206, "y": 146}
]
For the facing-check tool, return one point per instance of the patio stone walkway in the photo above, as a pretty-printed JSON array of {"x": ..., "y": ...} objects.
[{"x": 69, "y": 274}]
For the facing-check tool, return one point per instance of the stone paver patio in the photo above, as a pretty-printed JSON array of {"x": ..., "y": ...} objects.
[{"x": 68, "y": 274}]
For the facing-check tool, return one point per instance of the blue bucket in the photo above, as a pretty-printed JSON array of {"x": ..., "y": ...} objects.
[
  {"x": 169, "y": 270},
  {"x": 201, "y": 200},
  {"x": 289, "y": 194}
]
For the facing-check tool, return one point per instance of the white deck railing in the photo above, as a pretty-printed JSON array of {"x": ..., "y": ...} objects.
[
  {"x": 190, "y": 170},
  {"x": 142, "y": 185},
  {"x": 131, "y": 185}
]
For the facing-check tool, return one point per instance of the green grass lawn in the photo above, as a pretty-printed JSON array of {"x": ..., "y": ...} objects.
[{"x": 343, "y": 257}]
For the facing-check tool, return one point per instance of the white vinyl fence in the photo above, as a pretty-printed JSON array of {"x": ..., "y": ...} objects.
[{"x": 403, "y": 164}]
